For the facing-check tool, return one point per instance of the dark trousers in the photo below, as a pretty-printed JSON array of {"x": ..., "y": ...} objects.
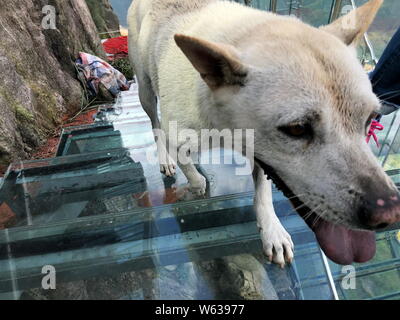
[{"x": 386, "y": 76}]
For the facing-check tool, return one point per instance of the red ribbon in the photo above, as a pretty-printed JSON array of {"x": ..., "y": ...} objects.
[{"x": 375, "y": 126}]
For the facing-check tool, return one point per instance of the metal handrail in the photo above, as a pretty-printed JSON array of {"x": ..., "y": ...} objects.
[
  {"x": 273, "y": 5},
  {"x": 328, "y": 271},
  {"x": 366, "y": 39},
  {"x": 335, "y": 10}
]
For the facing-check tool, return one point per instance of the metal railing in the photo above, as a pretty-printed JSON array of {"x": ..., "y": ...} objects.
[
  {"x": 367, "y": 41},
  {"x": 336, "y": 9},
  {"x": 273, "y": 5}
]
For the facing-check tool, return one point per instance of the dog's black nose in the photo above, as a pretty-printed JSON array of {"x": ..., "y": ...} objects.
[{"x": 380, "y": 212}]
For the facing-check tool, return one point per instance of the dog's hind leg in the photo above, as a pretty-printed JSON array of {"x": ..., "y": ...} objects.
[
  {"x": 148, "y": 100},
  {"x": 277, "y": 243}
]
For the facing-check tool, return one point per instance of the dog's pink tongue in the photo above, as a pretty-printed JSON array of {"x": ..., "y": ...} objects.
[{"x": 345, "y": 246}]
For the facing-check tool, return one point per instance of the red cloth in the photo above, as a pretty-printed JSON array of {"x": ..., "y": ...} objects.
[{"x": 116, "y": 46}]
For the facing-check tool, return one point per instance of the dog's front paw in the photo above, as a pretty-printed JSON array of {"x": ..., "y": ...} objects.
[
  {"x": 168, "y": 169},
  {"x": 167, "y": 165},
  {"x": 277, "y": 243},
  {"x": 198, "y": 186}
]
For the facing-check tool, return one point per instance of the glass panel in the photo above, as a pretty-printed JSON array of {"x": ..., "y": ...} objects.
[
  {"x": 113, "y": 227},
  {"x": 315, "y": 12},
  {"x": 261, "y": 4},
  {"x": 386, "y": 137},
  {"x": 105, "y": 216},
  {"x": 389, "y": 153},
  {"x": 379, "y": 278}
]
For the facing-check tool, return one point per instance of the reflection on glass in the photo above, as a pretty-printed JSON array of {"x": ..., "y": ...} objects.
[
  {"x": 314, "y": 12},
  {"x": 385, "y": 25}
]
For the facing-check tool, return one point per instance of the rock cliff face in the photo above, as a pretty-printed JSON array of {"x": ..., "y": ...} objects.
[
  {"x": 104, "y": 17},
  {"x": 37, "y": 73}
]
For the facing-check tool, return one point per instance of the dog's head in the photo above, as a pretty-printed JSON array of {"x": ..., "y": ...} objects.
[{"x": 311, "y": 103}]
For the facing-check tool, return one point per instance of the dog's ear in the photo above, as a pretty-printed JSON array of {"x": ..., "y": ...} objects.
[
  {"x": 217, "y": 63},
  {"x": 351, "y": 27}
]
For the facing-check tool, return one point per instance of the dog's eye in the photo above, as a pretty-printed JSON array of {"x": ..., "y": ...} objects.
[{"x": 297, "y": 130}]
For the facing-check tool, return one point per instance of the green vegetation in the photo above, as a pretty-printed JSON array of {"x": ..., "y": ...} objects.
[
  {"x": 46, "y": 103},
  {"x": 124, "y": 66},
  {"x": 21, "y": 113}
]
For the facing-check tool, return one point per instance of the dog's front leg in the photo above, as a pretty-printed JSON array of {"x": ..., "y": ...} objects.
[
  {"x": 196, "y": 181},
  {"x": 277, "y": 243},
  {"x": 167, "y": 164}
]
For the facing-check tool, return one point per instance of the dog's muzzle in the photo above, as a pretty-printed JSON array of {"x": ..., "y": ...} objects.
[{"x": 340, "y": 244}]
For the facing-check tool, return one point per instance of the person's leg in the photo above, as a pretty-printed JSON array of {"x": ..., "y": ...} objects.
[{"x": 386, "y": 76}]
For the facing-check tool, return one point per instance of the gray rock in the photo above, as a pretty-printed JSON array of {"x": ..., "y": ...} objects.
[
  {"x": 104, "y": 17},
  {"x": 236, "y": 277},
  {"x": 38, "y": 80}
]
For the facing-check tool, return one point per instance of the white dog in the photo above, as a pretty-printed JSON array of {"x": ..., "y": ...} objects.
[{"x": 218, "y": 64}]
